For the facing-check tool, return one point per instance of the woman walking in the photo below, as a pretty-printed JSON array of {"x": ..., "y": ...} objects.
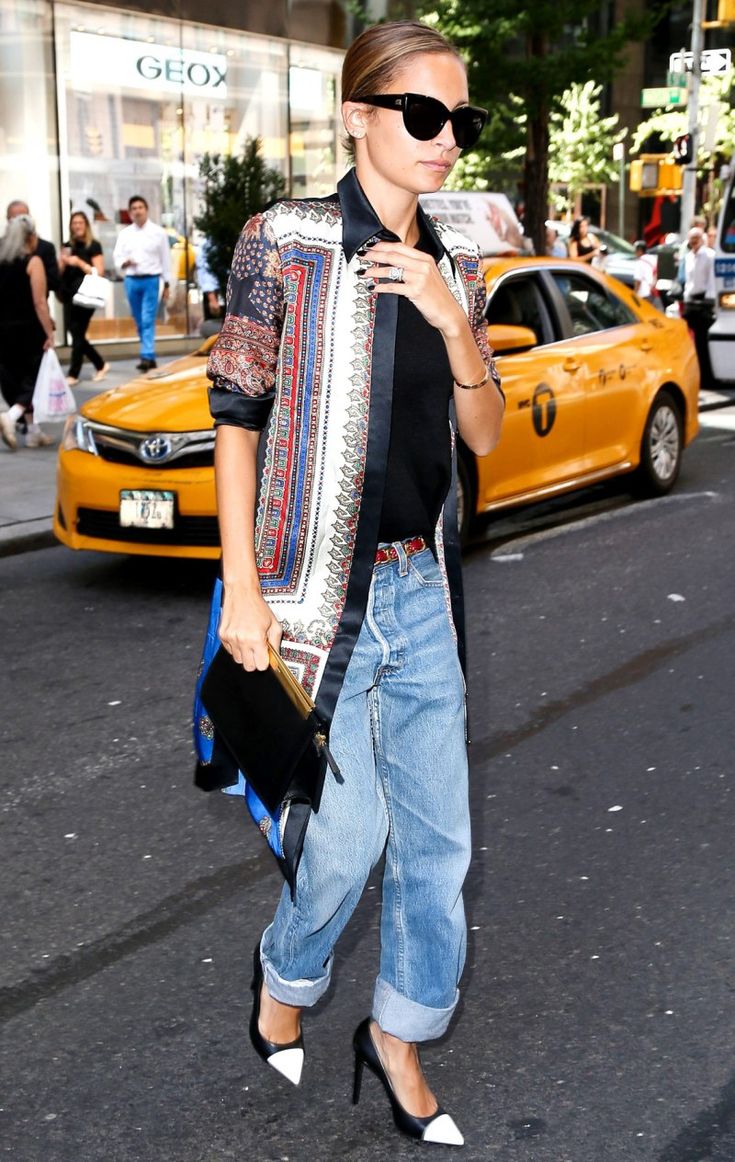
[
  {"x": 26, "y": 330},
  {"x": 82, "y": 254},
  {"x": 353, "y": 322}
]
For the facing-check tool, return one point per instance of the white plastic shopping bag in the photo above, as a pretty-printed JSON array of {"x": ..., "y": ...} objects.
[
  {"x": 93, "y": 292},
  {"x": 52, "y": 396}
]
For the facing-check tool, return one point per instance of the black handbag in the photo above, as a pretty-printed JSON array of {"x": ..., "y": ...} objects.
[{"x": 268, "y": 723}]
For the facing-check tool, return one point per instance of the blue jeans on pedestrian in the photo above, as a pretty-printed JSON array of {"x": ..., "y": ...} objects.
[
  {"x": 398, "y": 735},
  {"x": 142, "y": 292}
]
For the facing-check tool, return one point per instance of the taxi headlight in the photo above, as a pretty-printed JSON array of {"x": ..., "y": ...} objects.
[
  {"x": 727, "y": 301},
  {"x": 78, "y": 436}
]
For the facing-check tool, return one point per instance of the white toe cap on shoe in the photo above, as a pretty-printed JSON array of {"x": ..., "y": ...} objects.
[
  {"x": 289, "y": 1062},
  {"x": 444, "y": 1131}
]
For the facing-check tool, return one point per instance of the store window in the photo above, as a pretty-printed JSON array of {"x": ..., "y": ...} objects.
[
  {"x": 134, "y": 103},
  {"x": 315, "y": 150},
  {"x": 140, "y": 100},
  {"x": 28, "y": 142}
]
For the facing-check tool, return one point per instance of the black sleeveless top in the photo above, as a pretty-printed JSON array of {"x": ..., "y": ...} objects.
[
  {"x": 17, "y": 312},
  {"x": 584, "y": 247},
  {"x": 419, "y": 456}
]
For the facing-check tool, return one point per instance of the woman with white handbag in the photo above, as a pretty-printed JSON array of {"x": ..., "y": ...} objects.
[
  {"x": 81, "y": 256},
  {"x": 26, "y": 330}
]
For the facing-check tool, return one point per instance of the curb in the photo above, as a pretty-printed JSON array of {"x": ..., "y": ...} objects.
[{"x": 27, "y": 536}]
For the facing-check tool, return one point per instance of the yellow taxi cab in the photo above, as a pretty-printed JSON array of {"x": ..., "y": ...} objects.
[{"x": 597, "y": 383}]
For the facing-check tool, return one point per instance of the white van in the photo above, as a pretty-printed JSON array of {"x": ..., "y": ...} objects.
[{"x": 722, "y": 332}]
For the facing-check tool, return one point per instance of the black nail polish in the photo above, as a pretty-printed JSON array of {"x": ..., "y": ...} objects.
[
  {"x": 362, "y": 251},
  {"x": 361, "y": 269},
  {"x": 370, "y": 283}
]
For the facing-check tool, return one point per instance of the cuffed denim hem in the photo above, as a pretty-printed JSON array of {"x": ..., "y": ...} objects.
[
  {"x": 407, "y": 1019},
  {"x": 302, "y": 993}
]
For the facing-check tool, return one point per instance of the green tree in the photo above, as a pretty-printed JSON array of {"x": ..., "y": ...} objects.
[
  {"x": 716, "y": 124},
  {"x": 581, "y": 142},
  {"x": 497, "y": 160},
  {"x": 234, "y": 188},
  {"x": 534, "y": 53},
  {"x": 716, "y": 121}
]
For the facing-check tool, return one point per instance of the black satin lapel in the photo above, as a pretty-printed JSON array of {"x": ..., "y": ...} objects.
[
  {"x": 366, "y": 539},
  {"x": 293, "y": 842},
  {"x": 453, "y": 562},
  {"x": 434, "y": 242},
  {"x": 360, "y": 224}
]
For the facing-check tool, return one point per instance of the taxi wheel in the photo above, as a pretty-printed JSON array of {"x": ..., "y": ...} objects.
[{"x": 661, "y": 448}]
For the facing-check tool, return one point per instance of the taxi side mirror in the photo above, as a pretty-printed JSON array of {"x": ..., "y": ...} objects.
[{"x": 504, "y": 338}]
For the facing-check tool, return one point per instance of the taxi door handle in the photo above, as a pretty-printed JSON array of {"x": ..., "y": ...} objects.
[
  {"x": 570, "y": 365},
  {"x": 645, "y": 346}
]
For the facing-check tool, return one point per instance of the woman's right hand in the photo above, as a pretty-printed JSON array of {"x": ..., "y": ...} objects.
[{"x": 247, "y": 627}]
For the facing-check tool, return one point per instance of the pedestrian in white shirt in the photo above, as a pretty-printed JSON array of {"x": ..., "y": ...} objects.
[
  {"x": 699, "y": 297},
  {"x": 645, "y": 274},
  {"x": 143, "y": 256}
]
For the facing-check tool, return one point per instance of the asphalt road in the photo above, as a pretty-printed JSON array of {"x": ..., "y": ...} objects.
[{"x": 599, "y": 1002}]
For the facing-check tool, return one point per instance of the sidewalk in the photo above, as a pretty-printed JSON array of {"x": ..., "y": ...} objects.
[{"x": 28, "y": 476}]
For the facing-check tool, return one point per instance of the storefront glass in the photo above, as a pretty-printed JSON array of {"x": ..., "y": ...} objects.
[
  {"x": 140, "y": 100},
  {"x": 314, "y": 76},
  {"x": 29, "y": 169},
  {"x": 97, "y": 104}
]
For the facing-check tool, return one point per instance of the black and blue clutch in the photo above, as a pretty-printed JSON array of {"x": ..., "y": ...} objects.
[{"x": 257, "y": 733}]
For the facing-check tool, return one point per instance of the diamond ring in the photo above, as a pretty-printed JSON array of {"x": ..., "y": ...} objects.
[{"x": 395, "y": 273}]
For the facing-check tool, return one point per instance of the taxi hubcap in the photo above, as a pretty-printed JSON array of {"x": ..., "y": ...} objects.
[{"x": 664, "y": 442}]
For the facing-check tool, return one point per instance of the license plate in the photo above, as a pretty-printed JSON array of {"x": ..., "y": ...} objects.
[
  {"x": 724, "y": 267},
  {"x": 146, "y": 509}
]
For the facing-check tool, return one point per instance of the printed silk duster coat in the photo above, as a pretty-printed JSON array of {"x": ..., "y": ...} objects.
[{"x": 306, "y": 356}]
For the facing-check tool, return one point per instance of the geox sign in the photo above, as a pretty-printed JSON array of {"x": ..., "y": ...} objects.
[{"x": 134, "y": 64}]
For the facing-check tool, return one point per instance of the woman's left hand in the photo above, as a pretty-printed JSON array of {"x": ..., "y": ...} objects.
[{"x": 421, "y": 282}]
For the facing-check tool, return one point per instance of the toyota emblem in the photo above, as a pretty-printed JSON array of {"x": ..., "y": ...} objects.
[{"x": 155, "y": 449}]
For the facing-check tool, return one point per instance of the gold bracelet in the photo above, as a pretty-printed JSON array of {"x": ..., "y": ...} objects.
[{"x": 474, "y": 386}]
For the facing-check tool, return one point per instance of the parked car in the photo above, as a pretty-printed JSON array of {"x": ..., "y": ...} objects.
[{"x": 597, "y": 384}]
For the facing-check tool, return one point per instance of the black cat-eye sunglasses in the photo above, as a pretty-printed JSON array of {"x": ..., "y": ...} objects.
[{"x": 425, "y": 117}]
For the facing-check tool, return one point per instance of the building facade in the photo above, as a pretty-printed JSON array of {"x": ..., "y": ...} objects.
[
  {"x": 647, "y": 65},
  {"x": 98, "y": 103}
]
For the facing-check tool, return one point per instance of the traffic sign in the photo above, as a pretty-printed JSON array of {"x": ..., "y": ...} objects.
[
  {"x": 713, "y": 62},
  {"x": 657, "y": 98}
]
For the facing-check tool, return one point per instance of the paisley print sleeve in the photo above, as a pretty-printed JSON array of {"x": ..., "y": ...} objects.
[
  {"x": 479, "y": 328},
  {"x": 242, "y": 363}
]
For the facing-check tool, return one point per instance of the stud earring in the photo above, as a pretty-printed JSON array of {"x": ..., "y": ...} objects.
[{"x": 359, "y": 134}]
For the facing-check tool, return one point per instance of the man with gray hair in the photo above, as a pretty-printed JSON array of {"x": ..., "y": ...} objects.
[
  {"x": 46, "y": 251},
  {"x": 699, "y": 296}
]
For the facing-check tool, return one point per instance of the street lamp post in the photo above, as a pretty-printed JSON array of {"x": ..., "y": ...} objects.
[
  {"x": 689, "y": 178},
  {"x": 619, "y": 156}
]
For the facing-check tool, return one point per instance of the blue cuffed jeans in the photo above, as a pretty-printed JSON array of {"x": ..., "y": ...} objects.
[
  {"x": 398, "y": 735},
  {"x": 142, "y": 293}
]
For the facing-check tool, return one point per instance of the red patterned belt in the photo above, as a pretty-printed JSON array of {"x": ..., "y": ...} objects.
[{"x": 390, "y": 552}]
